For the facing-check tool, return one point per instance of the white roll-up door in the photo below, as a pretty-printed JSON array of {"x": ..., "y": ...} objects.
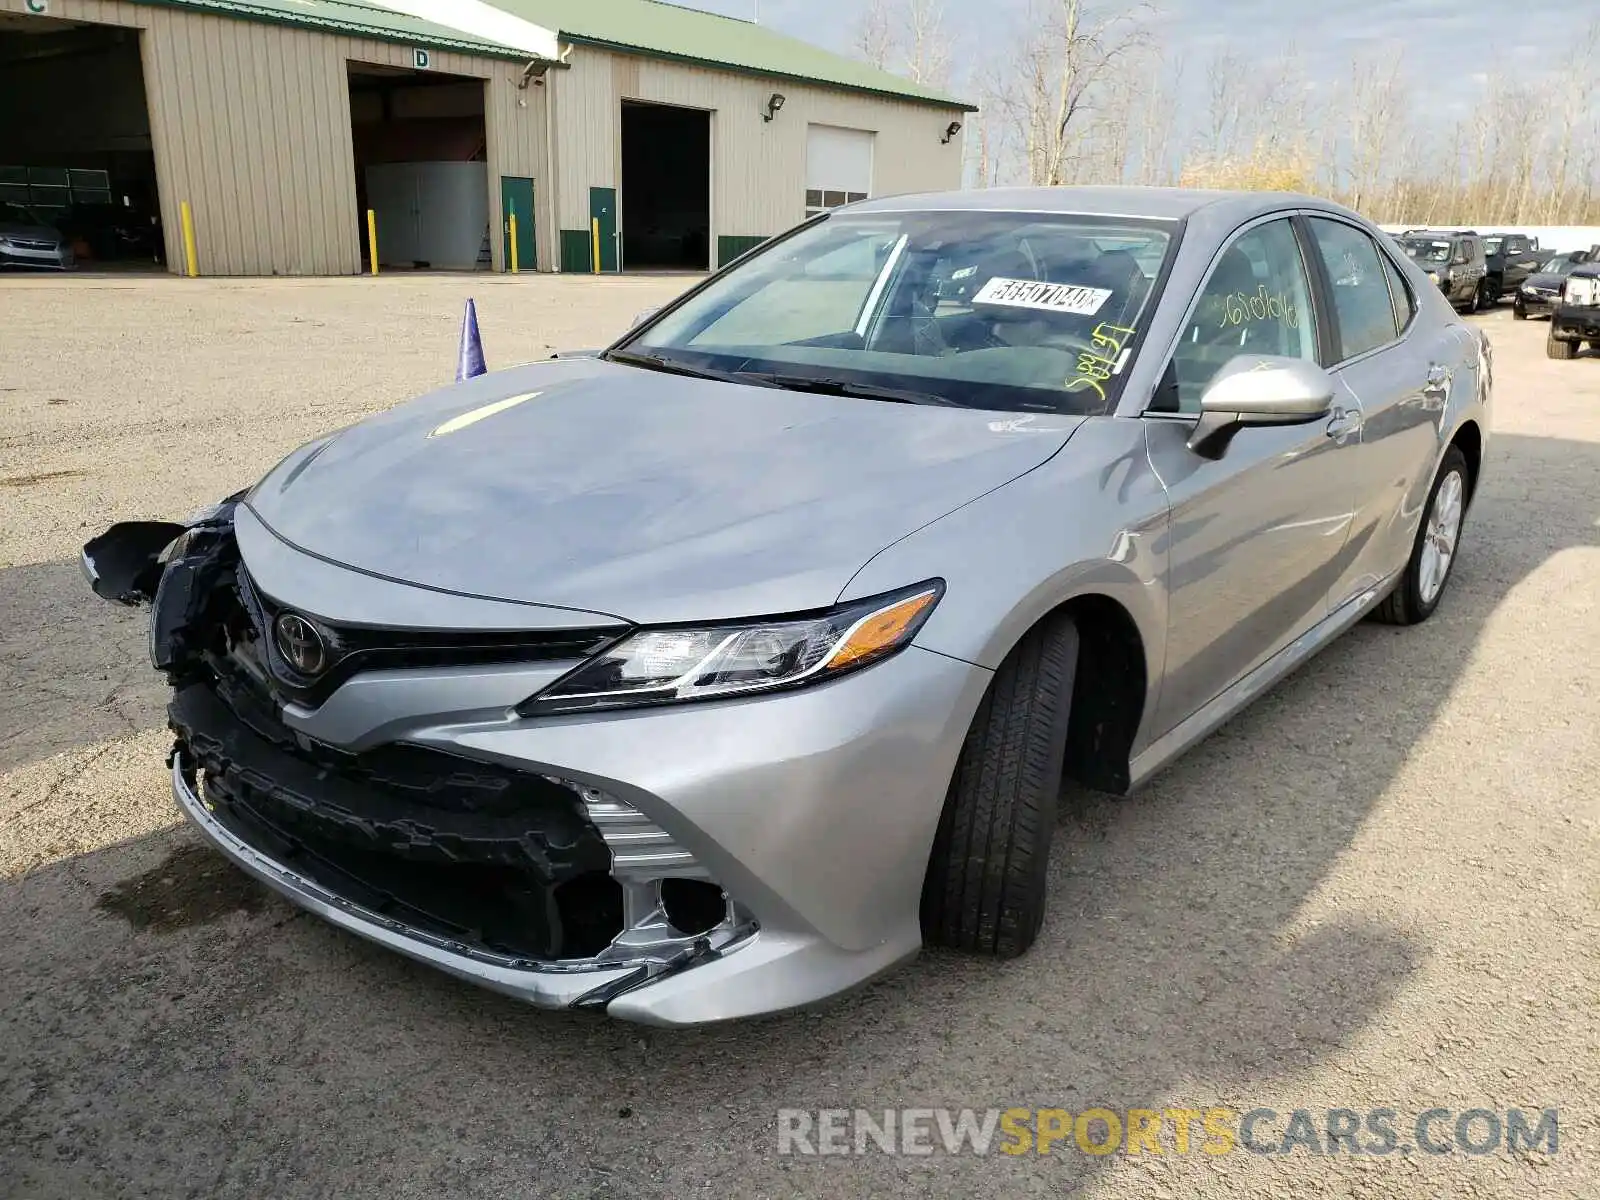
[{"x": 838, "y": 166}]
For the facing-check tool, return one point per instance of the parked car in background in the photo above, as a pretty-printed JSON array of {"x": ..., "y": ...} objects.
[
  {"x": 28, "y": 240},
  {"x": 1510, "y": 259},
  {"x": 1575, "y": 319},
  {"x": 1452, "y": 260},
  {"x": 113, "y": 233},
  {"x": 1537, "y": 295}
]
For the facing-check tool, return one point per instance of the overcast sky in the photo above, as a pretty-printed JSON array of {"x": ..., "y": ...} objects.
[{"x": 1440, "y": 37}]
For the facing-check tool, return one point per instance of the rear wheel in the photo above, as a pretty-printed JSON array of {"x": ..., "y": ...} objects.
[
  {"x": 985, "y": 887},
  {"x": 1433, "y": 553},
  {"x": 1555, "y": 347}
]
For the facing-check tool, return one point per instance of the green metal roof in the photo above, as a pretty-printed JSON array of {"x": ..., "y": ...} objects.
[
  {"x": 670, "y": 31},
  {"x": 349, "y": 17}
]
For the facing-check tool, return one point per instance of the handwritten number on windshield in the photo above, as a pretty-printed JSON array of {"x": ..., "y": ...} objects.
[{"x": 1096, "y": 365}]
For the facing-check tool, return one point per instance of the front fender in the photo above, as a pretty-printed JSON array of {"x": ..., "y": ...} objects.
[{"x": 1090, "y": 521}]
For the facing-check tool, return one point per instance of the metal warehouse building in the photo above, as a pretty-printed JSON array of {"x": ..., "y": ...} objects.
[{"x": 622, "y": 134}]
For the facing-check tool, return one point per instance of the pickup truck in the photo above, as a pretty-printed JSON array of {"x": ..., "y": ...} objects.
[{"x": 1511, "y": 258}]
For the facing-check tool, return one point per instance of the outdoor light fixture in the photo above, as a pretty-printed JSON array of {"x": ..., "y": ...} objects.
[
  {"x": 953, "y": 129},
  {"x": 774, "y": 103}
]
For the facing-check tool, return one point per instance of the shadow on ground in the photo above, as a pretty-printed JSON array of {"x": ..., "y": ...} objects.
[{"x": 225, "y": 1044}]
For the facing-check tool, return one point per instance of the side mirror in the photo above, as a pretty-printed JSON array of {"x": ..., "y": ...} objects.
[
  {"x": 1259, "y": 389},
  {"x": 640, "y": 318}
]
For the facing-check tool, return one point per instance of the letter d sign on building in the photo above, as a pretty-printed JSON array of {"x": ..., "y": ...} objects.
[{"x": 421, "y": 59}]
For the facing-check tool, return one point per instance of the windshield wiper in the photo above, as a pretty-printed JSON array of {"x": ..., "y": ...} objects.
[
  {"x": 844, "y": 387},
  {"x": 654, "y": 362}
]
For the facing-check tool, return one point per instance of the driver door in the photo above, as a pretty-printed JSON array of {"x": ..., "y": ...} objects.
[{"x": 1257, "y": 534}]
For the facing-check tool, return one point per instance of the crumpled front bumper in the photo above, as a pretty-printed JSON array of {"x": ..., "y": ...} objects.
[
  {"x": 815, "y": 810},
  {"x": 810, "y": 813}
]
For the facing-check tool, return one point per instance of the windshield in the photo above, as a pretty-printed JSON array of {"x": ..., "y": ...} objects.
[
  {"x": 1561, "y": 264},
  {"x": 1023, "y": 312},
  {"x": 1427, "y": 250},
  {"x": 1491, "y": 245},
  {"x": 17, "y": 214}
]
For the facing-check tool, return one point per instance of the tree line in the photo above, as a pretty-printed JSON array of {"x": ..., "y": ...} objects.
[{"x": 1073, "y": 92}]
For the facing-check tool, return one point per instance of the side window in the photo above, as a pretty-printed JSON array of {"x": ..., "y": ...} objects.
[
  {"x": 1361, "y": 302},
  {"x": 1400, "y": 294},
  {"x": 1256, "y": 301}
]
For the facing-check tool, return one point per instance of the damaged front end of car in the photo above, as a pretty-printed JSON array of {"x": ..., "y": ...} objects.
[{"x": 536, "y": 885}]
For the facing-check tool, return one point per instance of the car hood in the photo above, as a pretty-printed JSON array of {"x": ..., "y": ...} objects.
[
  {"x": 652, "y": 497},
  {"x": 1545, "y": 279},
  {"x": 32, "y": 233}
]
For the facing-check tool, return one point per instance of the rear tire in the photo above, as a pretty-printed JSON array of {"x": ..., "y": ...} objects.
[
  {"x": 985, "y": 887},
  {"x": 1555, "y": 347},
  {"x": 1418, "y": 593}
]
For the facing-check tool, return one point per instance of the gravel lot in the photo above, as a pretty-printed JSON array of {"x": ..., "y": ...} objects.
[{"x": 1376, "y": 888}]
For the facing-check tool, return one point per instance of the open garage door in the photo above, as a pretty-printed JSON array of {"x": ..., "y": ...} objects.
[
  {"x": 420, "y": 161},
  {"x": 838, "y": 167},
  {"x": 77, "y": 173},
  {"x": 666, "y": 187}
]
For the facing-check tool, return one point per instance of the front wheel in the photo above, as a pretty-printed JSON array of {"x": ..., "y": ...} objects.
[
  {"x": 985, "y": 887},
  {"x": 1555, "y": 347},
  {"x": 1433, "y": 553},
  {"x": 1518, "y": 313},
  {"x": 1488, "y": 295}
]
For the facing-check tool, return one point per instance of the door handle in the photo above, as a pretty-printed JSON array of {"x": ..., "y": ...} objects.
[{"x": 1345, "y": 422}]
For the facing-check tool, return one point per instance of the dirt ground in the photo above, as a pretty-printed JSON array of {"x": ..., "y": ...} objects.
[{"x": 1377, "y": 888}]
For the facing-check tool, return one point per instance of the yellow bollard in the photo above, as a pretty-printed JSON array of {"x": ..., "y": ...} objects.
[
  {"x": 189, "y": 257},
  {"x": 372, "y": 239},
  {"x": 594, "y": 229},
  {"x": 513, "y": 241}
]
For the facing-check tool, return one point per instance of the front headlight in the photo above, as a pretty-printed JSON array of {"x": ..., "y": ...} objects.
[{"x": 668, "y": 666}]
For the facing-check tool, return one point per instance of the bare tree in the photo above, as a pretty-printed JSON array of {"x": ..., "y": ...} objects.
[
  {"x": 874, "y": 36},
  {"x": 906, "y": 36},
  {"x": 1065, "y": 58}
]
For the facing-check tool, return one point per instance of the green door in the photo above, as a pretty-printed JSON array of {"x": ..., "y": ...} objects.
[
  {"x": 603, "y": 209},
  {"x": 516, "y": 196}
]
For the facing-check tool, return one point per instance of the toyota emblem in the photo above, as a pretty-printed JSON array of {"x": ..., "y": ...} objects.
[{"x": 300, "y": 644}]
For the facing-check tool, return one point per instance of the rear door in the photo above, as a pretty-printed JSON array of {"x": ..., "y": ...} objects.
[{"x": 1395, "y": 366}]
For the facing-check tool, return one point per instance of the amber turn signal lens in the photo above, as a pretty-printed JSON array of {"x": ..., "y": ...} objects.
[{"x": 882, "y": 631}]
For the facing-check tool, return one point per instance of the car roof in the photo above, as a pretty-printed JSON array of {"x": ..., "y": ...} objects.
[{"x": 1153, "y": 203}]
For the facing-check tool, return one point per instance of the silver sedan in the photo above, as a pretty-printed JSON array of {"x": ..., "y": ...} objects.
[{"x": 721, "y": 670}]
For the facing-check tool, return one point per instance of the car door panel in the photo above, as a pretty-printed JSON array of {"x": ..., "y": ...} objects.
[
  {"x": 1254, "y": 548},
  {"x": 1397, "y": 372},
  {"x": 1255, "y": 535}
]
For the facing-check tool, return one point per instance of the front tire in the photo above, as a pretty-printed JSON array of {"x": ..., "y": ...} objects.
[
  {"x": 1518, "y": 313},
  {"x": 1555, "y": 347},
  {"x": 1488, "y": 294},
  {"x": 1435, "y": 550},
  {"x": 985, "y": 887}
]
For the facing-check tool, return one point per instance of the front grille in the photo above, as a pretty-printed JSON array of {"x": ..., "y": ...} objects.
[
  {"x": 30, "y": 244},
  {"x": 354, "y": 648}
]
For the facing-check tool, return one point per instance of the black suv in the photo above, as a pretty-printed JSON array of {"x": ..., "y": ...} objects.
[
  {"x": 1453, "y": 259},
  {"x": 1511, "y": 258},
  {"x": 1575, "y": 318}
]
